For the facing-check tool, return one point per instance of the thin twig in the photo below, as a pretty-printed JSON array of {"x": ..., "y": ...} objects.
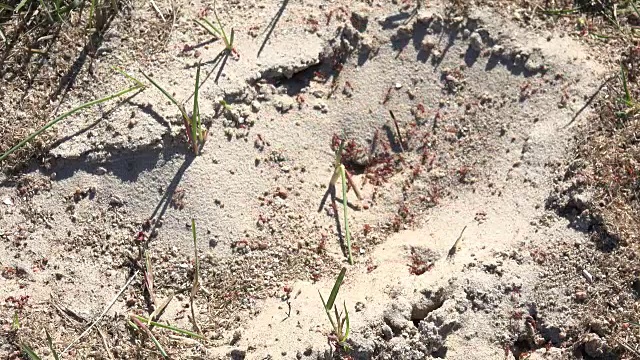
[
  {"x": 626, "y": 346},
  {"x": 105, "y": 343},
  {"x": 397, "y": 130},
  {"x": 155, "y": 7},
  {"x": 84, "y": 333}
]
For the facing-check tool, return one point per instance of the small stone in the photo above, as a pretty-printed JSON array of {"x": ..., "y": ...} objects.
[
  {"x": 476, "y": 41},
  {"x": 236, "y": 337},
  {"x": 359, "y": 306},
  {"x": 7, "y": 201},
  {"x": 404, "y": 31},
  {"x": 387, "y": 333},
  {"x": 318, "y": 93},
  {"x": 636, "y": 286},
  {"x": 238, "y": 354},
  {"x": 466, "y": 33},
  {"x": 322, "y": 107},
  {"x": 424, "y": 17},
  {"x": 594, "y": 346},
  {"x": 132, "y": 123},
  {"x": 398, "y": 86},
  {"x": 255, "y": 106},
  {"x": 101, "y": 171},
  {"x": 427, "y": 44}
]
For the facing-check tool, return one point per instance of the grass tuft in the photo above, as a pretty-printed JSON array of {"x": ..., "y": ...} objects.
[
  {"x": 218, "y": 31},
  {"x": 340, "y": 325},
  {"x": 195, "y": 132}
]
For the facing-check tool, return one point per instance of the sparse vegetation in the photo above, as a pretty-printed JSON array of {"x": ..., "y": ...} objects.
[
  {"x": 341, "y": 172},
  {"x": 50, "y": 124},
  {"x": 196, "y": 133},
  {"x": 339, "y": 323},
  {"x": 218, "y": 31}
]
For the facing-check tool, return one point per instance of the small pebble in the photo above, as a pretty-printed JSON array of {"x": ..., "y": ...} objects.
[{"x": 581, "y": 295}]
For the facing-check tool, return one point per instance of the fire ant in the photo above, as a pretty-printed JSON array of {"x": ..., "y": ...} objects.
[
  {"x": 314, "y": 25},
  {"x": 421, "y": 108},
  {"x": 347, "y": 85},
  {"x": 319, "y": 75},
  {"x": 366, "y": 229},
  {"x": 203, "y": 12},
  {"x": 340, "y": 9}
]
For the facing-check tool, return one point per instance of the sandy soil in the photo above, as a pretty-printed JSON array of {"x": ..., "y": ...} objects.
[{"x": 486, "y": 107}]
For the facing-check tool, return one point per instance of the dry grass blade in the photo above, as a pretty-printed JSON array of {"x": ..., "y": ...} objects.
[
  {"x": 196, "y": 277},
  {"x": 347, "y": 234},
  {"x": 148, "y": 278},
  {"x": 160, "y": 309},
  {"x": 84, "y": 333},
  {"x": 395, "y": 123},
  {"x": 105, "y": 344}
]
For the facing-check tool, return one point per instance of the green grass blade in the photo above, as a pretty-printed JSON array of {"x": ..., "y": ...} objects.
[
  {"x": 627, "y": 94},
  {"x": 195, "y": 249},
  {"x": 339, "y": 153},
  {"x": 208, "y": 26},
  {"x": 224, "y": 34},
  {"x": 15, "y": 323},
  {"x": 172, "y": 328},
  {"x": 46, "y": 10},
  {"x": 196, "y": 274},
  {"x": 173, "y": 100},
  {"x": 124, "y": 73},
  {"x": 346, "y": 317},
  {"x": 20, "y": 5},
  {"x": 635, "y": 9},
  {"x": 61, "y": 117},
  {"x": 27, "y": 350},
  {"x": 195, "y": 115},
  {"x": 158, "y": 346},
  {"x": 92, "y": 10},
  {"x": 336, "y": 288},
  {"x": 324, "y": 304},
  {"x": 347, "y": 233},
  {"x": 50, "y": 343},
  {"x": 230, "y": 45},
  {"x": 140, "y": 325}
]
